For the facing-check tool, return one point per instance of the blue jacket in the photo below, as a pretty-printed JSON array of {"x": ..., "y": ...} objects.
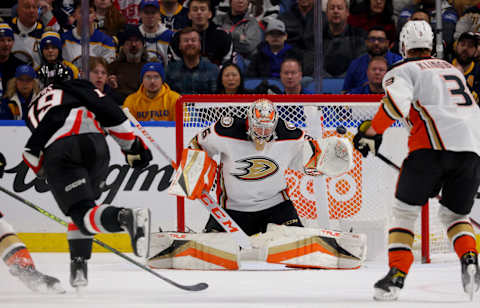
[{"x": 357, "y": 71}]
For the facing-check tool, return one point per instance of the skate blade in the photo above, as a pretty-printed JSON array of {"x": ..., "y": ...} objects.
[
  {"x": 470, "y": 287},
  {"x": 143, "y": 243},
  {"x": 56, "y": 289},
  {"x": 382, "y": 295}
]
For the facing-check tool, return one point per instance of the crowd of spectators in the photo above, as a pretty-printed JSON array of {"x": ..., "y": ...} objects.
[{"x": 146, "y": 53}]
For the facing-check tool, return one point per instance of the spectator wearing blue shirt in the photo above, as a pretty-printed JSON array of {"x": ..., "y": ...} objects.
[
  {"x": 291, "y": 77},
  {"x": 375, "y": 72},
  {"x": 377, "y": 45}
]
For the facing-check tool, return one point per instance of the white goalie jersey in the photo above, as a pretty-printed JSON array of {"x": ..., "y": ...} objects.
[{"x": 251, "y": 180}]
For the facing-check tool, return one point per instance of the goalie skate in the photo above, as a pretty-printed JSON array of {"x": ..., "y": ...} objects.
[
  {"x": 137, "y": 223},
  {"x": 470, "y": 273},
  {"x": 78, "y": 273},
  {"x": 36, "y": 281},
  {"x": 388, "y": 288}
]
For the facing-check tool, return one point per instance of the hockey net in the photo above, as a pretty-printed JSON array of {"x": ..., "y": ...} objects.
[{"x": 359, "y": 201}]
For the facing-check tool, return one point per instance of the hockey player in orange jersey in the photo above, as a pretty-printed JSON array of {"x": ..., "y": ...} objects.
[
  {"x": 432, "y": 98},
  {"x": 17, "y": 257}
]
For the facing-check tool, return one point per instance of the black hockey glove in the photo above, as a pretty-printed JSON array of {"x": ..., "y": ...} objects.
[
  {"x": 139, "y": 154},
  {"x": 364, "y": 143},
  {"x": 3, "y": 162}
]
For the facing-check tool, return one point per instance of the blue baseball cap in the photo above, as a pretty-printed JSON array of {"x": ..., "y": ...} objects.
[
  {"x": 25, "y": 70},
  {"x": 153, "y": 67},
  {"x": 6, "y": 30},
  {"x": 144, "y": 3}
]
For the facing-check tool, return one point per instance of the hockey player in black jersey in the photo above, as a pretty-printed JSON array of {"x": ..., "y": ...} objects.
[{"x": 69, "y": 121}]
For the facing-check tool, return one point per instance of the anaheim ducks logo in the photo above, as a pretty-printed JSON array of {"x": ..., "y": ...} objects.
[{"x": 256, "y": 168}]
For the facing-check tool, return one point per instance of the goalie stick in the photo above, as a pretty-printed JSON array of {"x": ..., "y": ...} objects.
[
  {"x": 215, "y": 210},
  {"x": 196, "y": 287}
]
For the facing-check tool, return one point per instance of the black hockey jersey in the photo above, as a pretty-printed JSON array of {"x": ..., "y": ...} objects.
[{"x": 71, "y": 108}]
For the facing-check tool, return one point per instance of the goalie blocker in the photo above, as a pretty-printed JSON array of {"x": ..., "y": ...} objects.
[{"x": 292, "y": 246}]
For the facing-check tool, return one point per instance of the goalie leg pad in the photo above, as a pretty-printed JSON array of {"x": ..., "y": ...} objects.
[
  {"x": 313, "y": 248},
  {"x": 195, "y": 174},
  {"x": 204, "y": 251}
]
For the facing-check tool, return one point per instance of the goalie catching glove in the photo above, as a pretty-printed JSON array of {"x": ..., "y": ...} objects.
[
  {"x": 139, "y": 154},
  {"x": 331, "y": 156},
  {"x": 364, "y": 143},
  {"x": 194, "y": 175}
]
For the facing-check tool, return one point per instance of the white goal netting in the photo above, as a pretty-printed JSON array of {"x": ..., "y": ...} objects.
[{"x": 358, "y": 201}]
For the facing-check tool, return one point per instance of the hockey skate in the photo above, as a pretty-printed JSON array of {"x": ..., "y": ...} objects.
[
  {"x": 470, "y": 273},
  {"x": 388, "y": 288},
  {"x": 36, "y": 281},
  {"x": 78, "y": 273},
  {"x": 137, "y": 223}
]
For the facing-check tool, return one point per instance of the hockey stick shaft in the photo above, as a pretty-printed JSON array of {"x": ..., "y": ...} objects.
[
  {"x": 216, "y": 210},
  {"x": 197, "y": 287},
  {"x": 438, "y": 197}
]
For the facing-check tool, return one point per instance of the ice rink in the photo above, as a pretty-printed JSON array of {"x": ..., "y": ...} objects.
[{"x": 115, "y": 283}]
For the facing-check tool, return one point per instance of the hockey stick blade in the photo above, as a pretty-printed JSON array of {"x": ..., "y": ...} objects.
[{"x": 196, "y": 287}]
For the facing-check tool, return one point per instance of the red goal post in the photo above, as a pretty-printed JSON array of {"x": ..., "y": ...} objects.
[{"x": 358, "y": 201}]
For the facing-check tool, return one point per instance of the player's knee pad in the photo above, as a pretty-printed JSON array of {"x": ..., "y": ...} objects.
[
  {"x": 447, "y": 217},
  {"x": 404, "y": 215},
  {"x": 455, "y": 224}
]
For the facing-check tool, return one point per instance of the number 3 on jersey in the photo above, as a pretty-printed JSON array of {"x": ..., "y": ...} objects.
[
  {"x": 48, "y": 99},
  {"x": 461, "y": 90}
]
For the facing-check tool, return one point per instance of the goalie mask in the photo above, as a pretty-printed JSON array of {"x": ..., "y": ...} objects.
[
  {"x": 415, "y": 34},
  {"x": 262, "y": 120}
]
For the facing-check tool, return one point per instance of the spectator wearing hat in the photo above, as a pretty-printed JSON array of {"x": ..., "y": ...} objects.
[
  {"x": 20, "y": 91},
  {"x": 154, "y": 100},
  {"x": 101, "y": 45},
  {"x": 8, "y": 62},
  {"x": 132, "y": 56},
  {"x": 54, "y": 68},
  {"x": 270, "y": 54},
  {"x": 28, "y": 28},
  {"x": 464, "y": 52},
  {"x": 193, "y": 74},
  {"x": 156, "y": 35},
  {"x": 174, "y": 15}
]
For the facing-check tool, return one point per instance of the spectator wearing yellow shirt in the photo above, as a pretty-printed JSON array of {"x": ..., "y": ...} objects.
[{"x": 154, "y": 100}]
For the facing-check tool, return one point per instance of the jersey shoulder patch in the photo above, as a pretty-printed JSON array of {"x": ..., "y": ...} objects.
[
  {"x": 226, "y": 121},
  {"x": 232, "y": 127},
  {"x": 287, "y": 131}
]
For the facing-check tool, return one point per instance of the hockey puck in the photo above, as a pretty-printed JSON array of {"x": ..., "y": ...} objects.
[{"x": 341, "y": 130}]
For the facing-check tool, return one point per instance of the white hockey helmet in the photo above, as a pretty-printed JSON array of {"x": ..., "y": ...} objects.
[
  {"x": 415, "y": 34},
  {"x": 262, "y": 120}
]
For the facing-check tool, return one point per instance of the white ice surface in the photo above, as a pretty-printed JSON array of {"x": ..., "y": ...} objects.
[{"x": 115, "y": 283}]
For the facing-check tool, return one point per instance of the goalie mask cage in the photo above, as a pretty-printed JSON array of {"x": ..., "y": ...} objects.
[{"x": 359, "y": 201}]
